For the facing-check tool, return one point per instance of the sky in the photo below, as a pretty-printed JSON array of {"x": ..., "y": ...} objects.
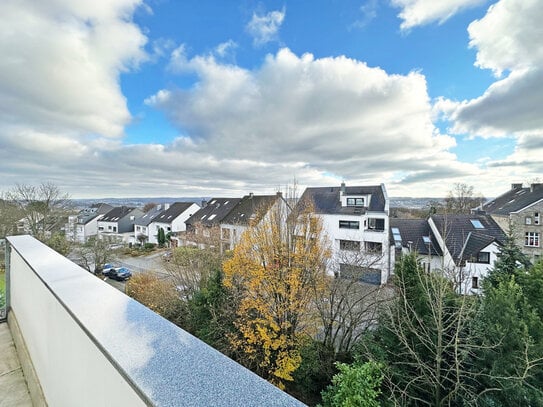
[{"x": 126, "y": 98}]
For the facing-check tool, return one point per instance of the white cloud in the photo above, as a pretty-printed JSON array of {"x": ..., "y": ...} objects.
[
  {"x": 420, "y": 12},
  {"x": 265, "y": 28},
  {"x": 329, "y": 115},
  {"x": 61, "y": 62},
  {"x": 507, "y": 41}
]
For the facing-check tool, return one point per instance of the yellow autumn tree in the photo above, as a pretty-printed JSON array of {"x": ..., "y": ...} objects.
[{"x": 273, "y": 271}]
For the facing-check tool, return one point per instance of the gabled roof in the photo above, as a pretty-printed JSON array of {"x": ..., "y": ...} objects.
[
  {"x": 326, "y": 200},
  {"x": 414, "y": 234},
  {"x": 516, "y": 199},
  {"x": 250, "y": 207},
  {"x": 465, "y": 235},
  {"x": 214, "y": 212},
  {"x": 175, "y": 210},
  {"x": 117, "y": 214},
  {"x": 149, "y": 216},
  {"x": 88, "y": 214}
]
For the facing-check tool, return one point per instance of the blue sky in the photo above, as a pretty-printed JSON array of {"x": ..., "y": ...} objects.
[{"x": 202, "y": 98}]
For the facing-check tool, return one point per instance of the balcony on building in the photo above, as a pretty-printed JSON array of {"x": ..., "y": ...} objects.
[{"x": 81, "y": 342}]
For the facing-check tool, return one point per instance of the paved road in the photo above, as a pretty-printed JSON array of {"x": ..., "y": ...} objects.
[{"x": 152, "y": 263}]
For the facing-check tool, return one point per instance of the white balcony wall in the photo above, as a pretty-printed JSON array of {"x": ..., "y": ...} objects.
[{"x": 91, "y": 345}]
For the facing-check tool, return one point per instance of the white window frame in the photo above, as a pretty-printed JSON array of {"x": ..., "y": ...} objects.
[{"x": 531, "y": 239}]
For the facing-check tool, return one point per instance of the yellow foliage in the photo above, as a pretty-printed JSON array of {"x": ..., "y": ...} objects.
[{"x": 277, "y": 269}]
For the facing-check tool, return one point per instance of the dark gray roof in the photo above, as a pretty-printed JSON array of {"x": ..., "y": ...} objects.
[
  {"x": 214, "y": 212},
  {"x": 412, "y": 232},
  {"x": 514, "y": 200},
  {"x": 175, "y": 209},
  {"x": 250, "y": 207},
  {"x": 326, "y": 200},
  {"x": 117, "y": 214},
  {"x": 462, "y": 238},
  {"x": 149, "y": 216},
  {"x": 88, "y": 214}
]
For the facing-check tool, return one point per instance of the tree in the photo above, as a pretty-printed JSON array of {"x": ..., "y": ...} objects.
[
  {"x": 509, "y": 324},
  {"x": 211, "y": 313},
  {"x": 190, "y": 268},
  {"x": 44, "y": 207},
  {"x": 94, "y": 253},
  {"x": 356, "y": 385},
  {"x": 462, "y": 199},
  {"x": 161, "y": 238},
  {"x": 346, "y": 306},
  {"x": 511, "y": 261},
  {"x": 424, "y": 339},
  {"x": 9, "y": 215},
  {"x": 157, "y": 294},
  {"x": 273, "y": 270},
  {"x": 59, "y": 243},
  {"x": 148, "y": 206}
]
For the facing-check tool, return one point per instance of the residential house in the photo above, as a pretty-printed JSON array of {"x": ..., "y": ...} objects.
[
  {"x": 463, "y": 247},
  {"x": 415, "y": 235},
  {"x": 143, "y": 233},
  {"x": 172, "y": 220},
  {"x": 251, "y": 209},
  {"x": 356, "y": 221},
  {"x": 203, "y": 228},
  {"x": 520, "y": 209},
  {"x": 85, "y": 224},
  {"x": 118, "y": 223}
]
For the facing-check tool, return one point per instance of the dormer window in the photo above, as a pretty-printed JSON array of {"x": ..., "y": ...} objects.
[{"x": 355, "y": 201}]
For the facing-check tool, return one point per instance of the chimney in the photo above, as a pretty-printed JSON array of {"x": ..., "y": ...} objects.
[
  {"x": 516, "y": 186},
  {"x": 279, "y": 194},
  {"x": 204, "y": 203},
  {"x": 343, "y": 188},
  {"x": 166, "y": 206},
  {"x": 533, "y": 187},
  {"x": 250, "y": 195}
]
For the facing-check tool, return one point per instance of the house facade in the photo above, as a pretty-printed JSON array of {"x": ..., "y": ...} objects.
[
  {"x": 172, "y": 220},
  {"x": 204, "y": 227},
  {"x": 521, "y": 209},
  {"x": 356, "y": 222},
  {"x": 462, "y": 247},
  {"x": 85, "y": 224},
  {"x": 250, "y": 210},
  {"x": 118, "y": 224}
]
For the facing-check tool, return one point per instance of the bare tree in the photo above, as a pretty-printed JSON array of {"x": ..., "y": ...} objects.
[
  {"x": 348, "y": 307},
  {"x": 95, "y": 253},
  {"x": 9, "y": 215},
  {"x": 44, "y": 207},
  {"x": 462, "y": 199}
]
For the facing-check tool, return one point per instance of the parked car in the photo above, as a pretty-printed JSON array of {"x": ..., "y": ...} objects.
[
  {"x": 120, "y": 274},
  {"x": 108, "y": 269}
]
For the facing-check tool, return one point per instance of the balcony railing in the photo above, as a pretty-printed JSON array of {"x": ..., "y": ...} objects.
[{"x": 90, "y": 345}]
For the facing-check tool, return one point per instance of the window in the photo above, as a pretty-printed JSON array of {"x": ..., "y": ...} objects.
[
  {"x": 483, "y": 257},
  {"x": 355, "y": 201},
  {"x": 376, "y": 224},
  {"x": 476, "y": 223},
  {"x": 352, "y": 245},
  {"x": 349, "y": 224},
  {"x": 527, "y": 220},
  {"x": 531, "y": 239},
  {"x": 475, "y": 282},
  {"x": 109, "y": 227},
  {"x": 225, "y": 233},
  {"x": 100, "y": 228},
  {"x": 373, "y": 247},
  {"x": 114, "y": 228},
  {"x": 536, "y": 218}
]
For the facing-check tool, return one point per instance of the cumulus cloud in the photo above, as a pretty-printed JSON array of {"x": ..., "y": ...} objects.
[
  {"x": 506, "y": 40},
  {"x": 331, "y": 115},
  {"x": 421, "y": 12},
  {"x": 265, "y": 28},
  {"x": 61, "y": 62}
]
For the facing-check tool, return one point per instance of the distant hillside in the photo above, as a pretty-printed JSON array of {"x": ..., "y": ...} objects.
[
  {"x": 395, "y": 202},
  {"x": 413, "y": 203},
  {"x": 135, "y": 202}
]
